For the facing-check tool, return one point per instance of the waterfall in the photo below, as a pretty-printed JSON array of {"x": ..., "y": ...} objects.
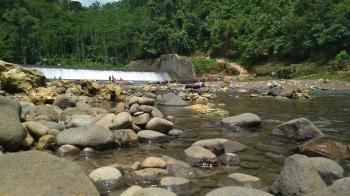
[{"x": 88, "y": 74}]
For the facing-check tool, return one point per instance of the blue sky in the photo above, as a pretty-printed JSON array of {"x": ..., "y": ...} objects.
[{"x": 89, "y": 2}]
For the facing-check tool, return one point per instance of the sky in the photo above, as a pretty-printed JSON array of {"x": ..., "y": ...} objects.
[{"x": 89, "y": 2}]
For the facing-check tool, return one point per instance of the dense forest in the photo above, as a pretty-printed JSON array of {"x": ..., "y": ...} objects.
[{"x": 248, "y": 31}]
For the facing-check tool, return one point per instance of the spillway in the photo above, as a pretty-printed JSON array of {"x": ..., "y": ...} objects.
[{"x": 88, "y": 74}]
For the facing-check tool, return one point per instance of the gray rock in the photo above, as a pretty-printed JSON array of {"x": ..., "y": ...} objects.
[
  {"x": 43, "y": 112},
  {"x": 26, "y": 108},
  {"x": 229, "y": 159},
  {"x": 296, "y": 131},
  {"x": 176, "y": 132},
  {"x": 182, "y": 171},
  {"x": 237, "y": 191},
  {"x": 105, "y": 121},
  {"x": 233, "y": 146},
  {"x": 141, "y": 119},
  {"x": 174, "y": 184},
  {"x": 122, "y": 120},
  {"x": 83, "y": 105},
  {"x": 159, "y": 124},
  {"x": 2, "y": 92},
  {"x": 328, "y": 169},
  {"x": 134, "y": 108},
  {"x": 81, "y": 120},
  {"x": 131, "y": 191},
  {"x": 28, "y": 142},
  {"x": 246, "y": 120},
  {"x": 298, "y": 177},
  {"x": 150, "y": 95},
  {"x": 36, "y": 129},
  {"x": 197, "y": 155},
  {"x": 46, "y": 142},
  {"x": 146, "y": 108},
  {"x": 239, "y": 179},
  {"x": 120, "y": 108},
  {"x": 53, "y": 125},
  {"x": 149, "y": 176},
  {"x": 107, "y": 176},
  {"x": 157, "y": 113},
  {"x": 86, "y": 136},
  {"x": 11, "y": 132},
  {"x": 124, "y": 137},
  {"x": 154, "y": 191},
  {"x": 67, "y": 149},
  {"x": 149, "y": 135},
  {"x": 214, "y": 145},
  {"x": 171, "y": 99},
  {"x": 340, "y": 187},
  {"x": 39, "y": 173},
  {"x": 145, "y": 101},
  {"x": 63, "y": 102},
  {"x": 136, "y": 128}
]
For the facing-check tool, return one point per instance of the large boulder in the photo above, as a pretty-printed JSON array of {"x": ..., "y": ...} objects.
[
  {"x": 39, "y": 173},
  {"x": 43, "y": 112},
  {"x": 246, "y": 120},
  {"x": 296, "y": 131},
  {"x": 237, "y": 191},
  {"x": 325, "y": 147},
  {"x": 328, "y": 169},
  {"x": 11, "y": 131},
  {"x": 159, "y": 124},
  {"x": 298, "y": 177},
  {"x": 171, "y": 99},
  {"x": 122, "y": 120},
  {"x": 14, "y": 78},
  {"x": 340, "y": 187},
  {"x": 43, "y": 95},
  {"x": 86, "y": 136}
]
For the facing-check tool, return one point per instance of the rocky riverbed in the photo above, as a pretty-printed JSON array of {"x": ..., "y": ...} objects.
[{"x": 211, "y": 138}]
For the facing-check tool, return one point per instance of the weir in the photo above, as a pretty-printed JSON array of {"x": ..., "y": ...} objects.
[{"x": 88, "y": 74}]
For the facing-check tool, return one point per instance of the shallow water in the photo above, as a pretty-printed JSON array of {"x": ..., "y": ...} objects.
[{"x": 330, "y": 113}]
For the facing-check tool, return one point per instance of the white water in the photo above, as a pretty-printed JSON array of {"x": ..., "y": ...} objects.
[{"x": 81, "y": 74}]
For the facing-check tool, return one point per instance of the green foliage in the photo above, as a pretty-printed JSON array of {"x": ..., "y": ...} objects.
[
  {"x": 286, "y": 72},
  {"x": 203, "y": 64},
  {"x": 341, "y": 60},
  {"x": 250, "y": 31}
]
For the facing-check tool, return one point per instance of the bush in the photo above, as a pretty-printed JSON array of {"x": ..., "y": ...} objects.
[
  {"x": 341, "y": 60},
  {"x": 203, "y": 64},
  {"x": 286, "y": 72}
]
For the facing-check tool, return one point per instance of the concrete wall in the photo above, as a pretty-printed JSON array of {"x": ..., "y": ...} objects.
[{"x": 179, "y": 68}]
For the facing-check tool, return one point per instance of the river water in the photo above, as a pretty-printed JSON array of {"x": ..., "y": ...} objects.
[{"x": 329, "y": 111}]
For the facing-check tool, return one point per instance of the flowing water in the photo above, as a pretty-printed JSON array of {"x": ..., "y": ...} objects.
[
  {"x": 88, "y": 74},
  {"x": 330, "y": 113}
]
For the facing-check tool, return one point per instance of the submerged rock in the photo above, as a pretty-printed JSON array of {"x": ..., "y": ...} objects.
[
  {"x": 237, "y": 191},
  {"x": 153, "y": 162},
  {"x": 246, "y": 120},
  {"x": 296, "y": 131},
  {"x": 175, "y": 184},
  {"x": 298, "y": 177},
  {"x": 171, "y": 99},
  {"x": 11, "y": 132},
  {"x": 149, "y": 176},
  {"x": 39, "y": 173},
  {"x": 154, "y": 191},
  {"x": 106, "y": 178},
  {"x": 239, "y": 179},
  {"x": 325, "y": 147}
]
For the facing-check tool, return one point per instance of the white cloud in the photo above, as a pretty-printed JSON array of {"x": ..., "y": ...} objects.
[{"x": 89, "y": 2}]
